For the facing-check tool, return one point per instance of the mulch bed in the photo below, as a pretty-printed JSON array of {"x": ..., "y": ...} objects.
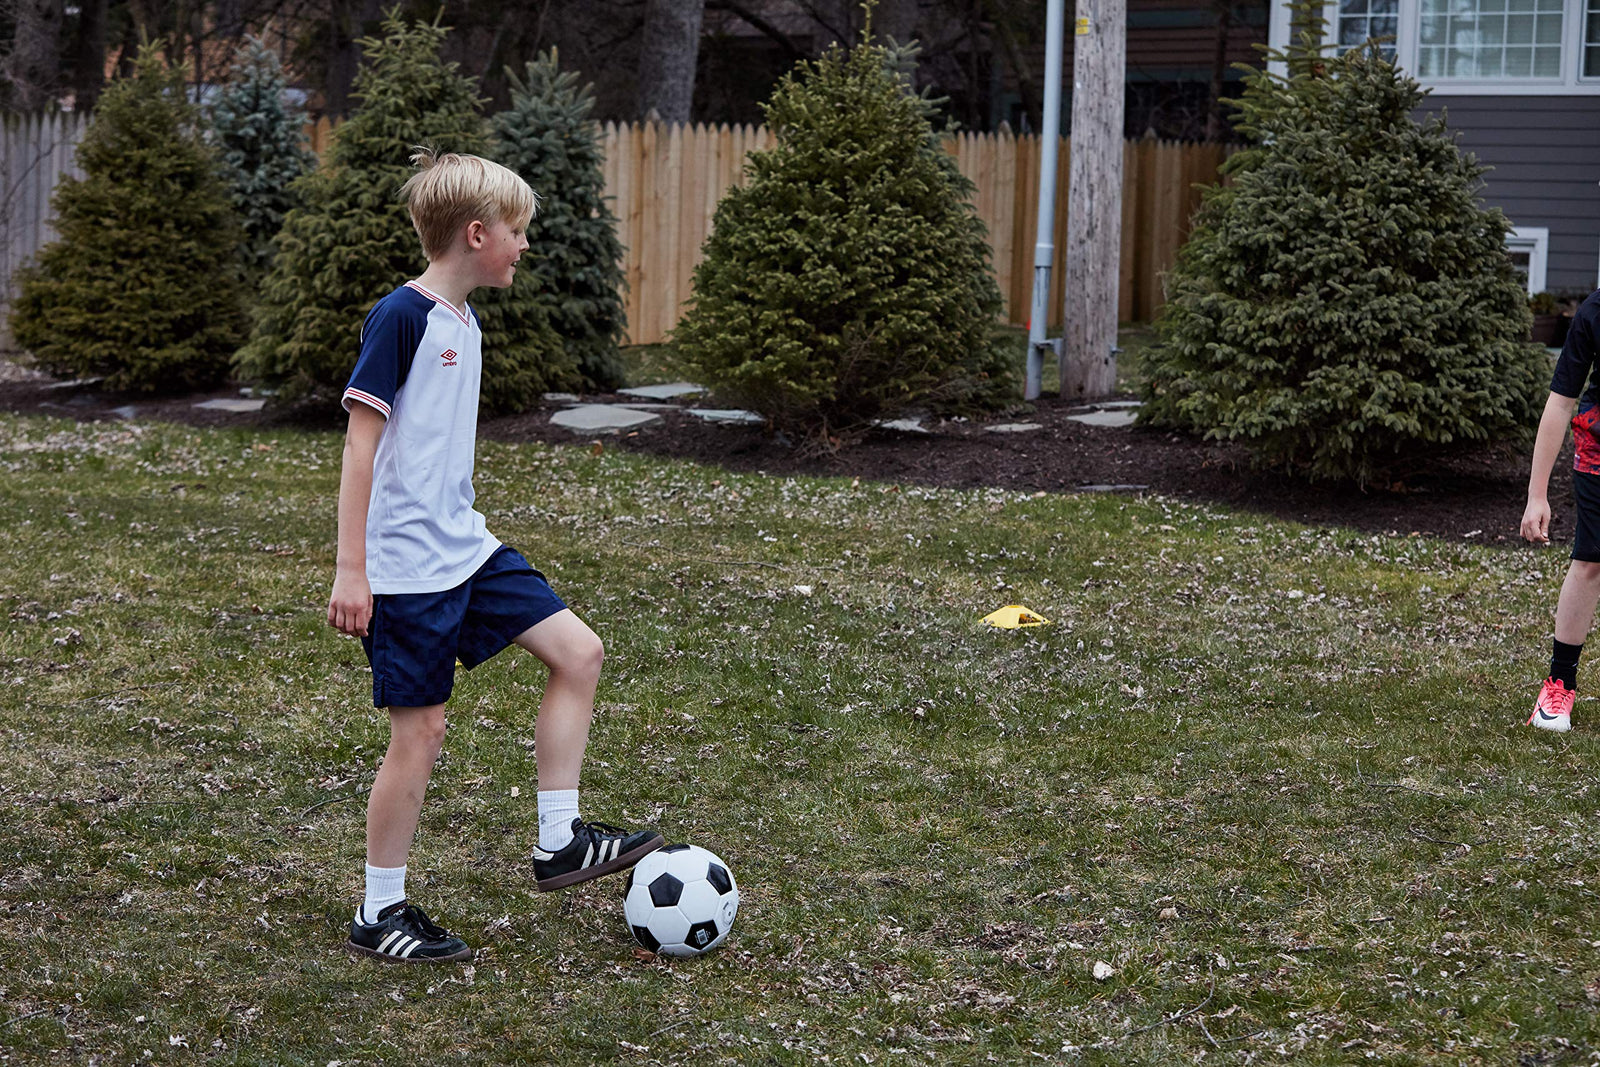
[{"x": 1478, "y": 497}]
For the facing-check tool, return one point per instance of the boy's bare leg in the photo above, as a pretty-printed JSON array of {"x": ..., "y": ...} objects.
[
  {"x": 1580, "y": 592},
  {"x": 415, "y": 737},
  {"x": 574, "y": 654},
  {"x": 571, "y": 849}
]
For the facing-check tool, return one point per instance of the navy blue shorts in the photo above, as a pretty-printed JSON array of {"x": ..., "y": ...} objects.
[
  {"x": 415, "y": 639},
  {"x": 1586, "y": 537}
]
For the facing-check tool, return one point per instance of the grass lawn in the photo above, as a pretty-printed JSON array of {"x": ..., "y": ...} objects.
[{"x": 1273, "y": 778}]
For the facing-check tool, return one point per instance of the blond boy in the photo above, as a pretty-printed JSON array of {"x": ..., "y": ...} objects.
[{"x": 421, "y": 580}]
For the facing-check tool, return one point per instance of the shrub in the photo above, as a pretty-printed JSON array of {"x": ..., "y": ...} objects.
[
  {"x": 1345, "y": 307},
  {"x": 260, "y": 136},
  {"x": 850, "y": 278},
  {"x": 350, "y": 241},
  {"x": 142, "y": 286},
  {"x": 547, "y": 137}
]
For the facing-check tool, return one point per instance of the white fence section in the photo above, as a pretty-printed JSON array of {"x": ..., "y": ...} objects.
[{"x": 36, "y": 152}]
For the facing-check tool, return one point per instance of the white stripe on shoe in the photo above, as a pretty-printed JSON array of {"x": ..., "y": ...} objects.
[
  {"x": 410, "y": 949},
  {"x": 394, "y": 935}
]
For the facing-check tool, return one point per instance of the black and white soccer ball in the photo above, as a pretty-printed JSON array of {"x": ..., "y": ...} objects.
[{"x": 681, "y": 901}]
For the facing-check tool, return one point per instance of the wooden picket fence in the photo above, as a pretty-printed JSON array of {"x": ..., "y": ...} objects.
[
  {"x": 36, "y": 152},
  {"x": 665, "y": 181}
]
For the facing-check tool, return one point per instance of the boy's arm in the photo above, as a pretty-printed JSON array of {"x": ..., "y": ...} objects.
[
  {"x": 350, "y": 606},
  {"x": 1546, "y": 446}
]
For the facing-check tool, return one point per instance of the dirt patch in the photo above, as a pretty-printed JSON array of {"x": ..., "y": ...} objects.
[{"x": 1477, "y": 497}]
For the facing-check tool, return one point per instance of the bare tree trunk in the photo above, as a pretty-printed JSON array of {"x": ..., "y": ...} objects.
[
  {"x": 895, "y": 18},
  {"x": 1219, "y": 69},
  {"x": 1094, "y": 200},
  {"x": 89, "y": 55},
  {"x": 1027, "y": 88},
  {"x": 669, "y": 53},
  {"x": 32, "y": 70},
  {"x": 342, "y": 53}
]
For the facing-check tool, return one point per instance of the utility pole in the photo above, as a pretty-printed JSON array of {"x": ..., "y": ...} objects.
[
  {"x": 1094, "y": 201},
  {"x": 1044, "y": 249}
]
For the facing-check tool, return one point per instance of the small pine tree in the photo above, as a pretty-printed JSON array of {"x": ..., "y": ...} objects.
[
  {"x": 261, "y": 137},
  {"x": 141, "y": 287},
  {"x": 350, "y": 241},
  {"x": 1344, "y": 307},
  {"x": 547, "y": 137},
  {"x": 850, "y": 278}
]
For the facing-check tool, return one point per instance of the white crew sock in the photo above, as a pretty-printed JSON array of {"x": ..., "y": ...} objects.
[
  {"x": 557, "y": 809},
  {"x": 385, "y": 886}
]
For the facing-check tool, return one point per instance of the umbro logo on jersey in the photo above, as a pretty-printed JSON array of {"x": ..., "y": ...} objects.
[{"x": 449, "y": 357}]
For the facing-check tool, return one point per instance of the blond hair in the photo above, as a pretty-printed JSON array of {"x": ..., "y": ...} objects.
[{"x": 450, "y": 190}]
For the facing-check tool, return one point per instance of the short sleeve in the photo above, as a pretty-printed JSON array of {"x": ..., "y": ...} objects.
[
  {"x": 389, "y": 340},
  {"x": 1577, "y": 355}
]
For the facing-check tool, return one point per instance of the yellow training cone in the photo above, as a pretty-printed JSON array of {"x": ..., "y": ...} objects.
[{"x": 1015, "y": 616}]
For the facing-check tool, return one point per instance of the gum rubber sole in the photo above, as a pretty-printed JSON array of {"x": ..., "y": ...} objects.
[
  {"x": 617, "y": 863},
  {"x": 359, "y": 950}
]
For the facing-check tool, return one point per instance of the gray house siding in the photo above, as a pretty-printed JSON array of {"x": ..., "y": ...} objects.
[{"x": 1545, "y": 155}]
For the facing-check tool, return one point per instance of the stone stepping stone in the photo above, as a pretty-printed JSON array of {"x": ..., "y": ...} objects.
[
  {"x": 601, "y": 418},
  {"x": 238, "y": 407},
  {"x": 728, "y": 415},
  {"x": 72, "y": 384},
  {"x": 1120, "y": 405},
  {"x": 1112, "y": 419},
  {"x": 1111, "y": 488},
  {"x": 1015, "y": 427},
  {"x": 650, "y": 407},
  {"x": 664, "y": 392},
  {"x": 126, "y": 411},
  {"x": 904, "y": 425},
  {"x": 561, "y": 398}
]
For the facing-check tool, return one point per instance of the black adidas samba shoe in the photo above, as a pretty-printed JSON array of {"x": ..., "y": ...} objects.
[
  {"x": 596, "y": 848},
  {"x": 405, "y": 934}
]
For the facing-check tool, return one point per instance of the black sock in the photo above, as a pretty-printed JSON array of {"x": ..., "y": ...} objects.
[{"x": 1564, "y": 664}]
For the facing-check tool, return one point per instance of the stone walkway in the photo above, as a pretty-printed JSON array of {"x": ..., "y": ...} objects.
[{"x": 589, "y": 417}]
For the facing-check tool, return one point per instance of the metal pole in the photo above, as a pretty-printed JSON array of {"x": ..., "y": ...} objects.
[{"x": 1044, "y": 249}]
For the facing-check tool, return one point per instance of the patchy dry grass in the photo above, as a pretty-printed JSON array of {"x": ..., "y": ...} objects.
[{"x": 1274, "y": 778}]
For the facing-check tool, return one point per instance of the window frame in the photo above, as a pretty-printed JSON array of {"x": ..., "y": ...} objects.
[
  {"x": 1536, "y": 240},
  {"x": 1408, "y": 42}
]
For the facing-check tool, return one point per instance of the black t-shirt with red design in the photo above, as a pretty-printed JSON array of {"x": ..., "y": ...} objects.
[{"x": 1572, "y": 374}]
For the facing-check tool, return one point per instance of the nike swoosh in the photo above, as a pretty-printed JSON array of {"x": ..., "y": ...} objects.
[{"x": 1546, "y": 716}]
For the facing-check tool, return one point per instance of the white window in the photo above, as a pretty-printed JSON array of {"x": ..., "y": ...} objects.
[
  {"x": 1357, "y": 20},
  {"x": 1591, "y": 40},
  {"x": 1490, "y": 39},
  {"x": 1529, "y": 249}
]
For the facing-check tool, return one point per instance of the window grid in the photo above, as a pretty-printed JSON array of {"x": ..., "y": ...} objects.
[
  {"x": 1359, "y": 20},
  {"x": 1591, "y": 40},
  {"x": 1509, "y": 39}
]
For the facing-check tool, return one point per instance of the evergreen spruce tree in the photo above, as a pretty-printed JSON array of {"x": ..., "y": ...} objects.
[
  {"x": 351, "y": 242},
  {"x": 261, "y": 137},
  {"x": 1344, "y": 306},
  {"x": 141, "y": 287},
  {"x": 849, "y": 278},
  {"x": 547, "y": 137}
]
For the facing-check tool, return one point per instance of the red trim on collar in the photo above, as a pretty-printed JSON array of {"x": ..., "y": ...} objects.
[{"x": 437, "y": 299}]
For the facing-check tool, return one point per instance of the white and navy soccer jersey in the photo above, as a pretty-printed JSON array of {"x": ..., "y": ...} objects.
[{"x": 420, "y": 365}]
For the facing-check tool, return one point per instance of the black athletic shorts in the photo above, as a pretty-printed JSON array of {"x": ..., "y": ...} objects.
[{"x": 1586, "y": 539}]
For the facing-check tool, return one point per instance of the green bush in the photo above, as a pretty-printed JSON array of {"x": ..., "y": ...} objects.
[
  {"x": 849, "y": 278},
  {"x": 350, "y": 241},
  {"x": 261, "y": 137},
  {"x": 142, "y": 285},
  {"x": 1344, "y": 306},
  {"x": 547, "y": 137}
]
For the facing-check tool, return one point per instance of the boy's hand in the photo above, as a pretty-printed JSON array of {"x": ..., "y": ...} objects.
[
  {"x": 350, "y": 606},
  {"x": 1536, "y": 522}
]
